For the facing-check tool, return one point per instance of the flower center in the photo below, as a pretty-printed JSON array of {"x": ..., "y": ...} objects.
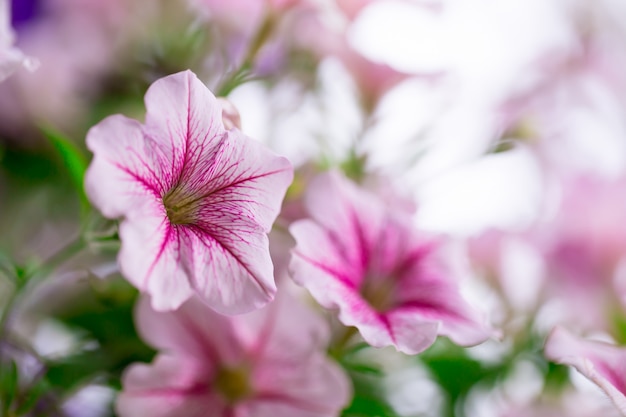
[
  {"x": 180, "y": 207},
  {"x": 379, "y": 292},
  {"x": 233, "y": 383}
]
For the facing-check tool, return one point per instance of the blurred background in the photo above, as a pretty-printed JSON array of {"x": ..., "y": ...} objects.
[{"x": 503, "y": 120}]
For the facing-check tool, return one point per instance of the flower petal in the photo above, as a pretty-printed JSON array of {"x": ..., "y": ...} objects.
[
  {"x": 284, "y": 322},
  {"x": 170, "y": 387},
  {"x": 190, "y": 330},
  {"x": 125, "y": 169},
  {"x": 150, "y": 257},
  {"x": 183, "y": 117},
  {"x": 242, "y": 177},
  {"x": 228, "y": 266},
  {"x": 317, "y": 387},
  {"x": 602, "y": 363},
  {"x": 385, "y": 278}
]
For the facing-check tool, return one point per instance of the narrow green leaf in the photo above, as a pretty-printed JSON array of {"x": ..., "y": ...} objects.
[
  {"x": 73, "y": 159},
  {"x": 30, "y": 398},
  {"x": 8, "y": 384}
]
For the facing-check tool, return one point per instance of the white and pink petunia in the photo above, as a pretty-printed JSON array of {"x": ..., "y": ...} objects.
[
  {"x": 602, "y": 363},
  {"x": 393, "y": 283},
  {"x": 268, "y": 363},
  {"x": 197, "y": 200}
]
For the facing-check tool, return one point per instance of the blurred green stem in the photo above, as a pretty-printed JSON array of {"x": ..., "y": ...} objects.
[
  {"x": 241, "y": 75},
  {"x": 340, "y": 344},
  {"x": 32, "y": 278}
]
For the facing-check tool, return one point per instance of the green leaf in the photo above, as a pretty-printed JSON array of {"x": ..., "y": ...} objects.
[
  {"x": 369, "y": 397},
  {"x": 103, "y": 314},
  {"x": 29, "y": 399},
  {"x": 8, "y": 385},
  {"x": 456, "y": 372},
  {"x": 69, "y": 373},
  {"x": 74, "y": 160}
]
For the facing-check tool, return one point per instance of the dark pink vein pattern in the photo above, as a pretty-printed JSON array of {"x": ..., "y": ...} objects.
[
  {"x": 362, "y": 257},
  {"x": 197, "y": 200}
]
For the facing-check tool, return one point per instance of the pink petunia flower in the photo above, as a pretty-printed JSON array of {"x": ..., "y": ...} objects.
[
  {"x": 268, "y": 363},
  {"x": 197, "y": 200},
  {"x": 390, "y": 281},
  {"x": 602, "y": 363}
]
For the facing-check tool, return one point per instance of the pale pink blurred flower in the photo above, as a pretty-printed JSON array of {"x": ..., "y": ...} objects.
[
  {"x": 583, "y": 244},
  {"x": 197, "y": 200},
  {"x": 11, "y": 58},
  {"x": 269, "y": 363},
  {"x": 586, "y": 239},
  {"x": 568, "y": 401},
  {"x": 74, "y": 42},
  {"x": 352, "y": 8},
  {"x": 573, "y": 111},
  {"x": 602, "y": 363},
  {"x": 395, "y": 284},
  {"x": 242, "y": 15},
  {"x": 328, "y": 38},
  {"x": 571, "y": 405},
  {"x": 372, "y": 79},
  {"x": 572, "y": 257}
]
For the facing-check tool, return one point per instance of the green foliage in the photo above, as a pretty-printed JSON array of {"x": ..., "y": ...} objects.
[
  {"x": 105, "y": 317},
  {"x": 9, "y": 380},
  {"x": 31, "y": 396},
  {"x": 369, "y": 397},
  {"x": 455, "y": 371},
  {"x": 556, "y": 377},
  {"x": 73, "y": 160}
]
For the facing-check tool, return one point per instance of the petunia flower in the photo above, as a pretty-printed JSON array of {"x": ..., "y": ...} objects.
[
  {"x": 268, "y": 363},
  {"x": 197, "y": 199},
  {"x": 602, "y": 363},
  {"x": 393, "y": 283}
]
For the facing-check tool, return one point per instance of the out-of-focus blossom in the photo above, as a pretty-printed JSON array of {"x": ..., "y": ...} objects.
[
  {"x": 352, "y": 8},
  {"x": 602, "y": 363},
  {"x": 501, "y": 401},
  {"x": 571, "y": 406},
  {"x": 269, "y": 363},
  {"x": 360, "y": 256},
  {"x": 74, "y": 44},
  {"x": 577, "y": 92},
  {"x": 197, "y": 200},
  {"x": 11, "y": 58},
  {"x": 373, "y": 79},
  {"x": 241, "y": 15},
  {"x": 583, "y": 243},
  {"x": 572, "y": 257}
]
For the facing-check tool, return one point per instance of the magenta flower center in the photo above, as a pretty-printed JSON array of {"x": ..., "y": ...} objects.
[
  {"x": 233, "y": 383},
  {"x": 181, "y": 206},
  {"x": 379, "y": 292}
]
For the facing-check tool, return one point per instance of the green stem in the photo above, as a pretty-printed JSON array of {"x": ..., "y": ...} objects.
[
  {"x": 340, "y": 344},
  {"x": 240, "y": 75},
  {"x": 32, "y": 279}
]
